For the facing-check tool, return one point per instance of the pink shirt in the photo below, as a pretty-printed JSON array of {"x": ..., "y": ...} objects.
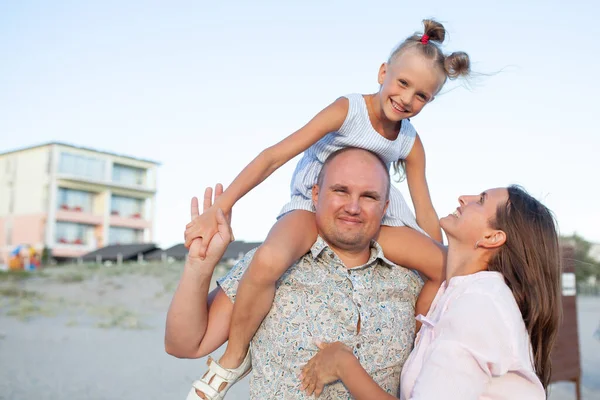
[{"x": 473, "y": 344}]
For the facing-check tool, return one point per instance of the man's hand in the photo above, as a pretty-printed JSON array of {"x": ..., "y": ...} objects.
[{"x": 210, "y": 248}]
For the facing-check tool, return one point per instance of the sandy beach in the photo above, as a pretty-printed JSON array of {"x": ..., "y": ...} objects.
[{"x": 94, "y": 332}]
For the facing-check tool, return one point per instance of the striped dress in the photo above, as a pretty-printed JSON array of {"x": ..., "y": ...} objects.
[{"x": 356, "y": 131}]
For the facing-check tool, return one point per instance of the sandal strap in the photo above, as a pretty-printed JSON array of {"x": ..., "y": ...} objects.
[
  {"x": 209, "y": 392},
  {"x": 223, "y": 373}
]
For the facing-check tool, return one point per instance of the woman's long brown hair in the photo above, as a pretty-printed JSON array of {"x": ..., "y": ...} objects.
[{"x": 530, "y": 263}]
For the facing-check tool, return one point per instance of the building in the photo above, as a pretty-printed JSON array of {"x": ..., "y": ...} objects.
[{"x": 73, "y": 200}]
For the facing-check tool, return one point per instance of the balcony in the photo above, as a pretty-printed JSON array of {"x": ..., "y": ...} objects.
[
  {"x": 77, "y": 214},
  {"x": 133, "y": 221},
  {"x": 128, "y": 212},
  {"x": 73, "y": 239}
]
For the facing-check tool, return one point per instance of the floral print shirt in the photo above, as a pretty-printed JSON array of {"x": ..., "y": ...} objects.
[{"x": 319, "y": 298}]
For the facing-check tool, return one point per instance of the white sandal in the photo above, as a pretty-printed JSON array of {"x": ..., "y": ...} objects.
[{"x": 210, "y": 383}]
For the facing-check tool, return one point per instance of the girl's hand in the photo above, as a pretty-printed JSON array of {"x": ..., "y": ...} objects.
[
  {"x": 324, "y": 367},
  {"x": 209, "y": 226}
]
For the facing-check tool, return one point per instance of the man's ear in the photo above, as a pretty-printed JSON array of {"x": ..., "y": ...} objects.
[
  {"x": 315, "y": 195},
  {"x": 385, "y": 207}
]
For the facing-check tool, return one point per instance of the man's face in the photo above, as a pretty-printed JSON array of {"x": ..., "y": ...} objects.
[{"x": 352, "y": 200}]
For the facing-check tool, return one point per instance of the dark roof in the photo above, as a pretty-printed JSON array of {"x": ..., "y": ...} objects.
[
  {"x": 179, "y": 252},
  {"x": 78, "y": 147},
  {"x": 239, "y": 248},
  {"x": 127, "y": 251}
]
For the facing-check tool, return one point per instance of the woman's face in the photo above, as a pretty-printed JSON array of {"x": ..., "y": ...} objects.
[{"x": 470, "y": 222}]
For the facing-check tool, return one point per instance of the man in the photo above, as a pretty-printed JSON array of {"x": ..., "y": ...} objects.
[{"x": 342, "y": 290}]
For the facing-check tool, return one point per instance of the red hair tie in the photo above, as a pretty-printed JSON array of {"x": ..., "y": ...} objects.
[{"x": 425, "y": 39}]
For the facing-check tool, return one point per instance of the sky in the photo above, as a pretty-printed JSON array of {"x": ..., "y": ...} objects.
[{"x": 203, "y": 87}]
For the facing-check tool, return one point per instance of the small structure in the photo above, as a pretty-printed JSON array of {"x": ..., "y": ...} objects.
[
  {"x": 566, "y": 362},
  {"x": 172, "y": 254},
  {"x": 120, "y": 253},
  {"x": 234, "y": 252}
]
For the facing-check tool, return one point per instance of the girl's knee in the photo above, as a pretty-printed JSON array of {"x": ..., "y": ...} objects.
[{"x": 268, "y": 264}]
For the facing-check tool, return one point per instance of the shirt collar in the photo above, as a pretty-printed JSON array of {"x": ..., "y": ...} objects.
[{"x": 376, "y": 252}]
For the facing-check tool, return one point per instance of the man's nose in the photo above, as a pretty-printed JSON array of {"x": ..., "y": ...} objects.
[{"x": 352, "y": 206}]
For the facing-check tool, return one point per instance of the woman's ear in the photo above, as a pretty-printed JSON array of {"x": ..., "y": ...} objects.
[{"x": 493, "y": 240}]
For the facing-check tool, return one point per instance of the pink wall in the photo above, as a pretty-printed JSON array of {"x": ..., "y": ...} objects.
[
  {"x": 79, "y": 217},
  {"x": 68, "y": 251},
  {"x": 134, "y": 223},
  {"x": 2, "y": 233},
  {"x": 28, "y": 229}
]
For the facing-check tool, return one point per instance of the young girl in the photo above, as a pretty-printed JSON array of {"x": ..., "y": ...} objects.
[{"x": 414, "y": 73}]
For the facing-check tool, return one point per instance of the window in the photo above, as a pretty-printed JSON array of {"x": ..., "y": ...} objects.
[
  {"x": 74, "y": 200},
  {"x": 128, "y": 175},
  {"x": 87, "y": 167},
  {"x": 125, "y": 235},
  {"x": 127, "y": 207},
  {"x": 73, "y": 233}
]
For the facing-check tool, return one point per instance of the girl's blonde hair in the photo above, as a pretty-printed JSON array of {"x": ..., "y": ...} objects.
[{"x": 454, "y": 65}]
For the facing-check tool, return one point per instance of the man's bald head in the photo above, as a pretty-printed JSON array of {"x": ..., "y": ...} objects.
[{"x": 337, "y": 153}]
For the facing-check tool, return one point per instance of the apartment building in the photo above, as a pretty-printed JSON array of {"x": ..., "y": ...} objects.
[{"x": 73, "y": 200}]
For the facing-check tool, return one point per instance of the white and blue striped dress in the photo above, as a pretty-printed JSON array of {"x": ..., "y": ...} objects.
[{"x": 356, "y": 131}]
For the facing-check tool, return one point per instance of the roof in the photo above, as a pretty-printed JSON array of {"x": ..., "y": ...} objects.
[
  {"x": 78, "y": 147},
  {"x": 239, "y": 248},
  {"x": 179, "y": 252},
  {"x": 127, "y": 251}
]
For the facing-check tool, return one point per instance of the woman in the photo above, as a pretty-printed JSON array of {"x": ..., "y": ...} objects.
[{"x": 490, "y": 329}]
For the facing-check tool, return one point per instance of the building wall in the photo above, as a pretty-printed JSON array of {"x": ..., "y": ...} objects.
[
  {"x": 30, "y": 180},
  {"x": 29, "y": 229},
  {"x": 30, "y": 184}
]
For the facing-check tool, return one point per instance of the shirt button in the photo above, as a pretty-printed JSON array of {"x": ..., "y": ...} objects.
[
  {"x": 358, "y": 346},
  {"x": 359, "y": 305}
]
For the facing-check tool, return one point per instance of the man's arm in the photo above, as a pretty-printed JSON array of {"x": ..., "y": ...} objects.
[{"x": 197, "y": 321}]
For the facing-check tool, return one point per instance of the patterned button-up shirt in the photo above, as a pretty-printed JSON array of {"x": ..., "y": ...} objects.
[{"x": 319, "y": 298}]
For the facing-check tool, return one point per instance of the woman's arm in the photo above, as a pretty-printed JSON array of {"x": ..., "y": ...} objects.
[
  {"x": 419, "y": 191},
  {"x": 333, "y": 362}
]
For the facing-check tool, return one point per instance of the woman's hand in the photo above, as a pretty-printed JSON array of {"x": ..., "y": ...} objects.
[{"x": 324, "y": 367}]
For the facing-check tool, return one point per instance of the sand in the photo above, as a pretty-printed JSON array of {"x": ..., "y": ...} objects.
[{"x": 93, "y": 332}]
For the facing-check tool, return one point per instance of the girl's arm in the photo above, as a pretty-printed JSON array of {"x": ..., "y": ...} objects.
[
  {"x": 268, "y": 161},
  {"x": 330, "y": 119},
  {"x": 427, "y": 218},
  {"x": 334, "y": 362}
]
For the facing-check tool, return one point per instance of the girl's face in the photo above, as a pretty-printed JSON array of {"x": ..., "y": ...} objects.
[{"x": 408, "y": 82}]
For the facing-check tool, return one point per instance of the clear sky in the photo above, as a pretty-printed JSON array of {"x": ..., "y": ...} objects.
[{"x": 204, "y": 86}]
